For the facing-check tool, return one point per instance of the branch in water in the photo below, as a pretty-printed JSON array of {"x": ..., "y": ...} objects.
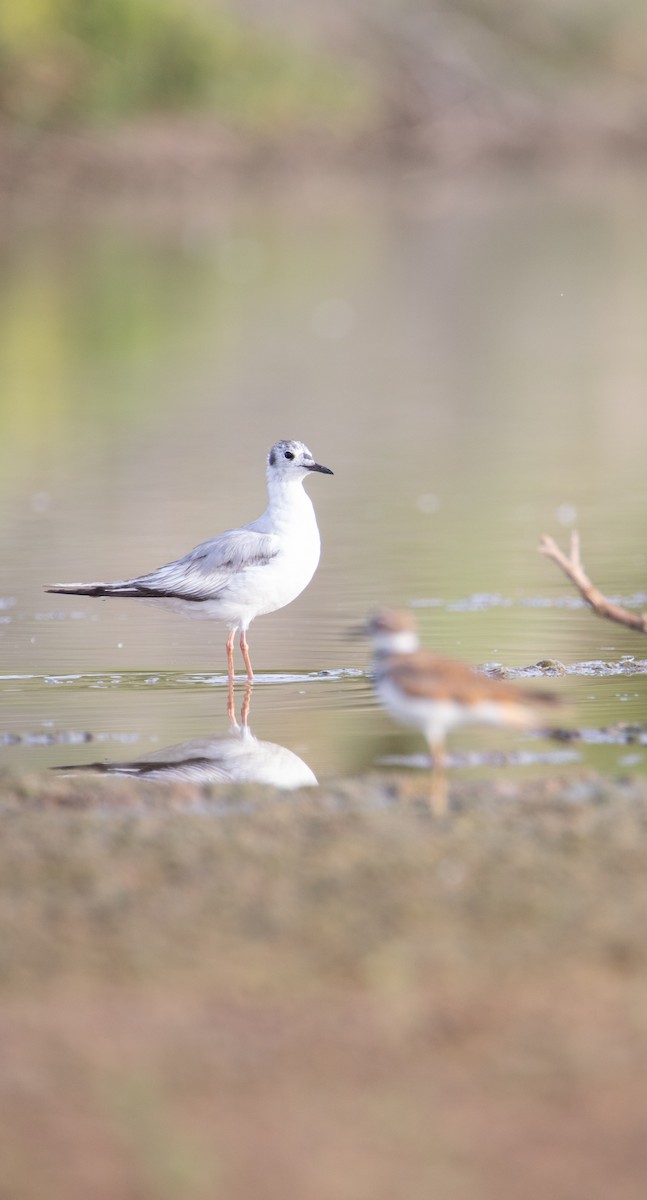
[{"x": 572, "y": 567}]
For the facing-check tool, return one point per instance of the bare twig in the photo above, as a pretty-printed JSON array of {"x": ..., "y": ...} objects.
[{"x": 573, "y": 569}]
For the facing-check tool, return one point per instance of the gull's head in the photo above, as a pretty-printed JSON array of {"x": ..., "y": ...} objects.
[
  {"x": 289, "y": 461},
  {"x": 393, "y": 631}
]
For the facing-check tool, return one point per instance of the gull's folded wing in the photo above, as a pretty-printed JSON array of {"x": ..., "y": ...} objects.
[{"x": 199, "y": 575}]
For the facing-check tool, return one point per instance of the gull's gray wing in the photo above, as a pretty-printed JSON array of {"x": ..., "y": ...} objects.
[
  {"x": 200, "y": 575},
  {"x": 209, "y": 567}
]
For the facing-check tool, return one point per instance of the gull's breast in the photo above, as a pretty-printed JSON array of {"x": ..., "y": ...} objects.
[
  {"x": 286, "y": 576},
  {"x": 262, "y": 588}
]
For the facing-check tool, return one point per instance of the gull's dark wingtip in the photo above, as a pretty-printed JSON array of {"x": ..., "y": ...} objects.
[{"x": 79, "y": 589}]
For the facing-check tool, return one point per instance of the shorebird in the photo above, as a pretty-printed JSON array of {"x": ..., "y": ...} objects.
[
  {"x": 437, "y": 695},
  {"x": 244, "y": 572}
]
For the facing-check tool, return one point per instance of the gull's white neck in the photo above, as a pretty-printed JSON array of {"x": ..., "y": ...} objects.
[
  {"x": 289, "y": 503},
  {"x": 402, "y": 641}
]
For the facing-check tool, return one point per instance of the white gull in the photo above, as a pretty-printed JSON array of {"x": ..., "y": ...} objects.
[{"x": 244, "y": 572}]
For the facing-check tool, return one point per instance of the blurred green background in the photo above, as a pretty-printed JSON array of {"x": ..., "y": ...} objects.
[
  {"x": 442, "y": 77},
  {"x": 67, "y": 63}
]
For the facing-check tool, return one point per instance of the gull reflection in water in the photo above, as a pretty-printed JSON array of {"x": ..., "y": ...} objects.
[{"x": 234, "y": 757}]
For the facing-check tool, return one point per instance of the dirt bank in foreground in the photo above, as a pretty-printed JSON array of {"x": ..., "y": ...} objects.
[{"x": 327, "y": 994}]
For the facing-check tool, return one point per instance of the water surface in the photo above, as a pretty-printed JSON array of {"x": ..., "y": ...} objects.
[{"x": 470, "y": 359}]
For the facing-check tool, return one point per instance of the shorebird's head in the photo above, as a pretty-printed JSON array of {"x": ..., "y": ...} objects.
[
  {"x": 288, "y": 461},
  {"x": 393, "y": 631}
]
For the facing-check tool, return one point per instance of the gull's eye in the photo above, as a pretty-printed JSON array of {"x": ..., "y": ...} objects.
[{"x": 289, "y": 454}]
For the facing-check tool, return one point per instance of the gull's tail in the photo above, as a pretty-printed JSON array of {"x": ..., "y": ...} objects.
[{"x": 122, "y": 588}]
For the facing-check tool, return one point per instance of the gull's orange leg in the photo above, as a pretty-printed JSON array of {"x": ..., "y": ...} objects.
[
  {"x": 230, "y": 654},
  {"x": 231, "y": 711},
  {"x": 245, "y": 653}
]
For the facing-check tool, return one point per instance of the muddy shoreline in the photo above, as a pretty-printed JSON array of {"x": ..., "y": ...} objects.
[
  {"x": 87, "y": 792},
  {"x": 454, "y": 1007}
]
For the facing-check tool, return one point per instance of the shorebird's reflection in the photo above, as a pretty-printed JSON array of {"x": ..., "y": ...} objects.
[{"x": 234, "y": 757}]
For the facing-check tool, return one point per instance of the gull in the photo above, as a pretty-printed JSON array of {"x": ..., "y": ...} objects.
[
  {"x": 236, "y": 757},
  {"x": 437, "y": 695},
  {"x": 244, "y": 572}
]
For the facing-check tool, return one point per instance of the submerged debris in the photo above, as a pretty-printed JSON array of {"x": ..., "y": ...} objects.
[
  {"x": 552, "y": 666},
  {"x": 620, "y": 734},
  {"x": 59, "y": 737}
]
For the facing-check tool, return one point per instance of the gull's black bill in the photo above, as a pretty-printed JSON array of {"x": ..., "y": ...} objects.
[{"x": 316, "y": 467}]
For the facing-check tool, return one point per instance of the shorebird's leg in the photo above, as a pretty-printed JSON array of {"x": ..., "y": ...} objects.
[
  {"x": 438, "y": 791},
  {"x": 438, "y": 794},
  {"x": 438, "y": 757},
  {"x": 247, "y": 700},
  {"x": 245, "y": 653}
]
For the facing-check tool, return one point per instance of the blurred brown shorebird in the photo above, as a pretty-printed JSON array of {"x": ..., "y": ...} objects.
[{"x": 437, "y": 695}]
